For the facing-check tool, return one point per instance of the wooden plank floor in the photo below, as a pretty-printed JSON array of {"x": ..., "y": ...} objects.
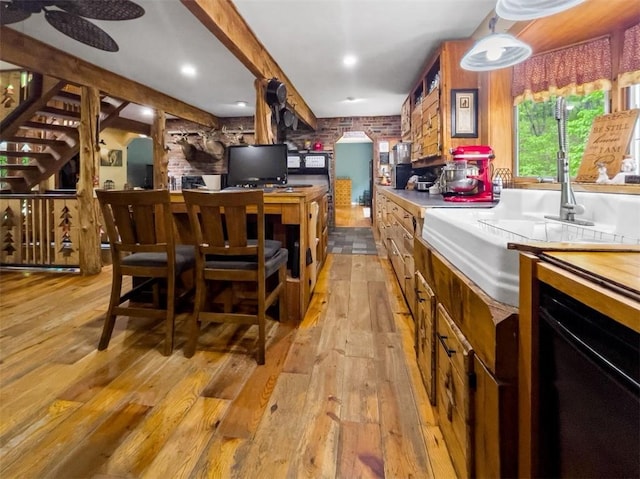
[
  {"x": 340, "y": 394},
  {"x": 353, "y": 215}
]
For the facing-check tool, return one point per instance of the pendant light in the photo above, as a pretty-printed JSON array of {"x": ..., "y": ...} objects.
[
  {"x": 495, "y": 51},
  {"x": 519, "y": 10}
]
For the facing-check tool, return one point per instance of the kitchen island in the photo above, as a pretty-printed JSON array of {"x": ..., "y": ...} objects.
[{"x": 297, "y": 218}]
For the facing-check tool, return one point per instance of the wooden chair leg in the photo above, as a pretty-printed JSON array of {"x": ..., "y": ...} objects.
[
  {"x": 110, "y": 317},
  {"x": 282, "y": 296},
  {"x": 261, "y": 336},
  {"x": 170, "y": 319},
  {"x": 194, "y": 329}
]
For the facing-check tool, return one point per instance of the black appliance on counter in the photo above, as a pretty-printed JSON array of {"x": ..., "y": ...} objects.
[
  {"x": 309, "y": 168},
  {"x": 400, "y": 175}
]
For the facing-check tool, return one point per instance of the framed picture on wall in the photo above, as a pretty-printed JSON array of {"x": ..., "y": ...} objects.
[
  {"x": 111, "y": 158},
  {"x": 464, "y": 113}
]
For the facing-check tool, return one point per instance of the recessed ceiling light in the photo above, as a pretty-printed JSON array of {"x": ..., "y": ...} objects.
[
  {"x": 188, "y": 70},
  {"x": 349, "y": 60},
  {"x": 241, "y": 103},
  {"x": 350, "y": 98}
]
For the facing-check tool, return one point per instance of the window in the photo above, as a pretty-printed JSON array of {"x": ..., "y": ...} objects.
[
  {"x": 537, "y": 132},
  {"x": 634, "y": 102}
]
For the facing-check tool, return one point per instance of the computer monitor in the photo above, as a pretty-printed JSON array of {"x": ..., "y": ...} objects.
[{"x": 254, "y": 165}]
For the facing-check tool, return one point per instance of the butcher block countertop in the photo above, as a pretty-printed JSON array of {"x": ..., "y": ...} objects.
[{"x": 608, "y": 282}]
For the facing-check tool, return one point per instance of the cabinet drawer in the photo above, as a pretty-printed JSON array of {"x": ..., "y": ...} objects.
[
  {"x": 454, "y": 393},
  {"x": 404, "y": 217}
]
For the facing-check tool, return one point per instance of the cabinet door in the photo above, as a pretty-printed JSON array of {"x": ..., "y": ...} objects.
[
  {"x": 454, "y": 392},
  {"x": 397, "y": 261},
  {"x": 426, "y": 335},
  {"x": 410, "y": 283}
]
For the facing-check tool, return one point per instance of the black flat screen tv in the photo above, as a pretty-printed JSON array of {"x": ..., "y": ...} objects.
[{"x": 257, "y": 165}]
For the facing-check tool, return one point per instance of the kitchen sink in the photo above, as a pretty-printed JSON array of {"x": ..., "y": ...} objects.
[{"x": 475, "y": 239}]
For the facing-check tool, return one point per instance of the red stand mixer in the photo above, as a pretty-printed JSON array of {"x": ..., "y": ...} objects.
[{"x": 468, "y": 177}]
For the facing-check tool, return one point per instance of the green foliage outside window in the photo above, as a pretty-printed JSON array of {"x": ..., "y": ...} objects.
[{"x": 538, "y": 133}]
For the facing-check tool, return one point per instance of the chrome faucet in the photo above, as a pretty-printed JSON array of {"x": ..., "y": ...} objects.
[{"x": 568, "y": 206}]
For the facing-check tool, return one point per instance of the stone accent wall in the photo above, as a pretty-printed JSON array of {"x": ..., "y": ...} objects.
[{"x": 329, "y": 131}]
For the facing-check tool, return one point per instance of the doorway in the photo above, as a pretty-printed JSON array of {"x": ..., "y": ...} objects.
[{"x": 353, "y": 185}]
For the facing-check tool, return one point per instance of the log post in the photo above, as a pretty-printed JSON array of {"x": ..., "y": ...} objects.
[
  {"x": 89, "y": 240},
  {"x": 160, "y": 159},
  {"x": 262, "y": 121}
]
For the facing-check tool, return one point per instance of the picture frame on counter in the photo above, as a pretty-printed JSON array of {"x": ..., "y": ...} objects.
[{"x": 464, "y": 113}]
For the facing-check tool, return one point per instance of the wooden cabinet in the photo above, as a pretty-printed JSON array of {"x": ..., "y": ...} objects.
[
  {"x": 455, "y": 392},
  {"x": 606, "y": 282},
  {"x": 426, "y": 334},
  {"x": 397, "y": 226},
  {"x": 405, "y": 120},
  {"x": 343, "y": 192},
  {"x": 430, "y": 104},
  {"x": 475, "y": 383}
]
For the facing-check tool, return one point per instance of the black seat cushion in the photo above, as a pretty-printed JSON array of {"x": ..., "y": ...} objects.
[
  {"x": 271, "y": 247},
  {"x": 185, "y": 259},
  {"x": 272, "y": 263}
]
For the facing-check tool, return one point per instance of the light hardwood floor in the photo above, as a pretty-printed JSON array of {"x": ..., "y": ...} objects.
[
  {"x": 353, "y": 216},
  {"x": 340, "y": 394}
]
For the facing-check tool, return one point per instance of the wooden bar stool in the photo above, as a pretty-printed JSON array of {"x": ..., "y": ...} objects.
[
  {"x": 225, "y": 252},
  {"x": 140, "y": 229}
]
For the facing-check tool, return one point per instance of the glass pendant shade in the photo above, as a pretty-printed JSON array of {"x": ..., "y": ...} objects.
[
  {"x": 519, "y": 10},
  {"x": 495, "y": 51}
]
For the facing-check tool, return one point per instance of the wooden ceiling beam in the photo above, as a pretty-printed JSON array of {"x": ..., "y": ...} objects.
[
  {"x": 222, "y": 19},
  {"x": 22, "y": 50}
]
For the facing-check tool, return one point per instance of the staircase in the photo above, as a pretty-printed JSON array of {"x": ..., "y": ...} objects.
[{"x": 41, "y": 136}]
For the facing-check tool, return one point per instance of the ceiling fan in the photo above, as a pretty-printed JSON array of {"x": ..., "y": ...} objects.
[{"x": 68, "y": 17}]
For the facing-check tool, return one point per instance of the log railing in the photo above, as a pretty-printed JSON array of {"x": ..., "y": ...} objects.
[{"x": 39, "y": 230}]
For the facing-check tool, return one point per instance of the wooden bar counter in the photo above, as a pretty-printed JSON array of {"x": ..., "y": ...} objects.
[{"x": 292, "y": 216}]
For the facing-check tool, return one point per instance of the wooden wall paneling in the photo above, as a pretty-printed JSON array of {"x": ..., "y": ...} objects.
[
  {"x": 89, "y": 237},
  {"x": 496, "y": 116},
  {"x": 586, "y": 21}
]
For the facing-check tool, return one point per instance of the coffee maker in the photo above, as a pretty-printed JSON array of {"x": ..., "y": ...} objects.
[{"x": 468, "y": 177}]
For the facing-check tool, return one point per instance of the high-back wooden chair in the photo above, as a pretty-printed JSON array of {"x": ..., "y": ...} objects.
[
  {"x": 141, "y": 235},
  {"x": 226, "y": 253}
]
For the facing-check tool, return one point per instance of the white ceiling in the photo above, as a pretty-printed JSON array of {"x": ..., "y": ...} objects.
[{"x": 307, "y": 38}]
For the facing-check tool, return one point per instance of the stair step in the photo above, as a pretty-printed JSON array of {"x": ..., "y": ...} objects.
[
  {"x": 37, "y": 155},
  {"x": 36, "y": 125},
  {"x": 20, "y": 167},
  {"x": 59, "y": 113},
  {"x": 73, "y": 99},
  {"x": 37, "y": 141},
  {"x": 13, "y": 179}
]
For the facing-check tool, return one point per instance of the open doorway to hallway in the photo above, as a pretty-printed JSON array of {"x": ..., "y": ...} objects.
[{"x": 353, "y": 185}]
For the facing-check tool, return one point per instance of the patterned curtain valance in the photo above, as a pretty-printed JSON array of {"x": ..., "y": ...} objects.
[
  {"x": 630, "y": 61},
  {"x": 579, "y": 69}
]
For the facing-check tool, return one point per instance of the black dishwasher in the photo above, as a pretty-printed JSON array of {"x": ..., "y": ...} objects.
[{"x": 589, "y": 392}]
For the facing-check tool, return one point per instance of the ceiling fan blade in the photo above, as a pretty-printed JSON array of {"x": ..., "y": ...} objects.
[
  {"x": 80, "y": 29},
  {"x": 102, "y": 9},
  {"x": 9, "y": 14}
]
